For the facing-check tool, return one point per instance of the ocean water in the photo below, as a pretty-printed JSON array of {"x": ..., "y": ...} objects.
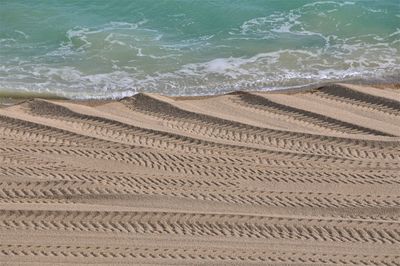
[{"x": 116, "y": 48}]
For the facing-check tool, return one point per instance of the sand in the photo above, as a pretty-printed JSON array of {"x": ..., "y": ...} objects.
[{"x": 303, "y": 178}]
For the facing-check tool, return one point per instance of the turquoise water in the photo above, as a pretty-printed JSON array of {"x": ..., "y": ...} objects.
[{"x": 115, "y": 48}]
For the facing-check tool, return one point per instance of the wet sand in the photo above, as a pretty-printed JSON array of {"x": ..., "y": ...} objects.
[{"x": 300, "y": 177}]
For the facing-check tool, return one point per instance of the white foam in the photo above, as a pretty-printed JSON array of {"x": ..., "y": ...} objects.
[
  {"x": 276, "y": 23},
  {"x": 7, "y": 42},
  {"x": 397, "y": 32},
  {"x": 111, "y": 39},
  {"x": 113, "y": 30},
  {"x": 26, "y": 36},
  {"x": 335, "y": 3}
]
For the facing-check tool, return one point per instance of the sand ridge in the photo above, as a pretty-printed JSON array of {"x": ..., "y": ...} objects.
[{"x": 306, "y": 178}]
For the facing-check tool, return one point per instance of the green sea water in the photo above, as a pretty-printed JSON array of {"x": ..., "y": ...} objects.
[{"x": 115, "y": 48}]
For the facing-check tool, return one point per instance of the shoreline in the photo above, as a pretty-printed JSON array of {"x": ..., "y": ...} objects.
[{"x": 390, "y": 81}]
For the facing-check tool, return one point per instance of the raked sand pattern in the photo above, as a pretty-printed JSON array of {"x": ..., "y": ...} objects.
[{"x": 306, "y": 177}]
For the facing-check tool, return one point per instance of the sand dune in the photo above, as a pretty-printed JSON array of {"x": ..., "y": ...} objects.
[{"x": 307, "y": 177}]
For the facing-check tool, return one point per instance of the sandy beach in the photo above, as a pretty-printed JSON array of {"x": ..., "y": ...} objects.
[{"x": 303, "y": 177}]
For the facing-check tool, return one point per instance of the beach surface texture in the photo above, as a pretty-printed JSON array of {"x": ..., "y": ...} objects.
[{"x": 307, "y": 177}]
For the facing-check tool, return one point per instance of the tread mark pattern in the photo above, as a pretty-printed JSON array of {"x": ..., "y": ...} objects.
[{"x": 326, "y": 200}]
